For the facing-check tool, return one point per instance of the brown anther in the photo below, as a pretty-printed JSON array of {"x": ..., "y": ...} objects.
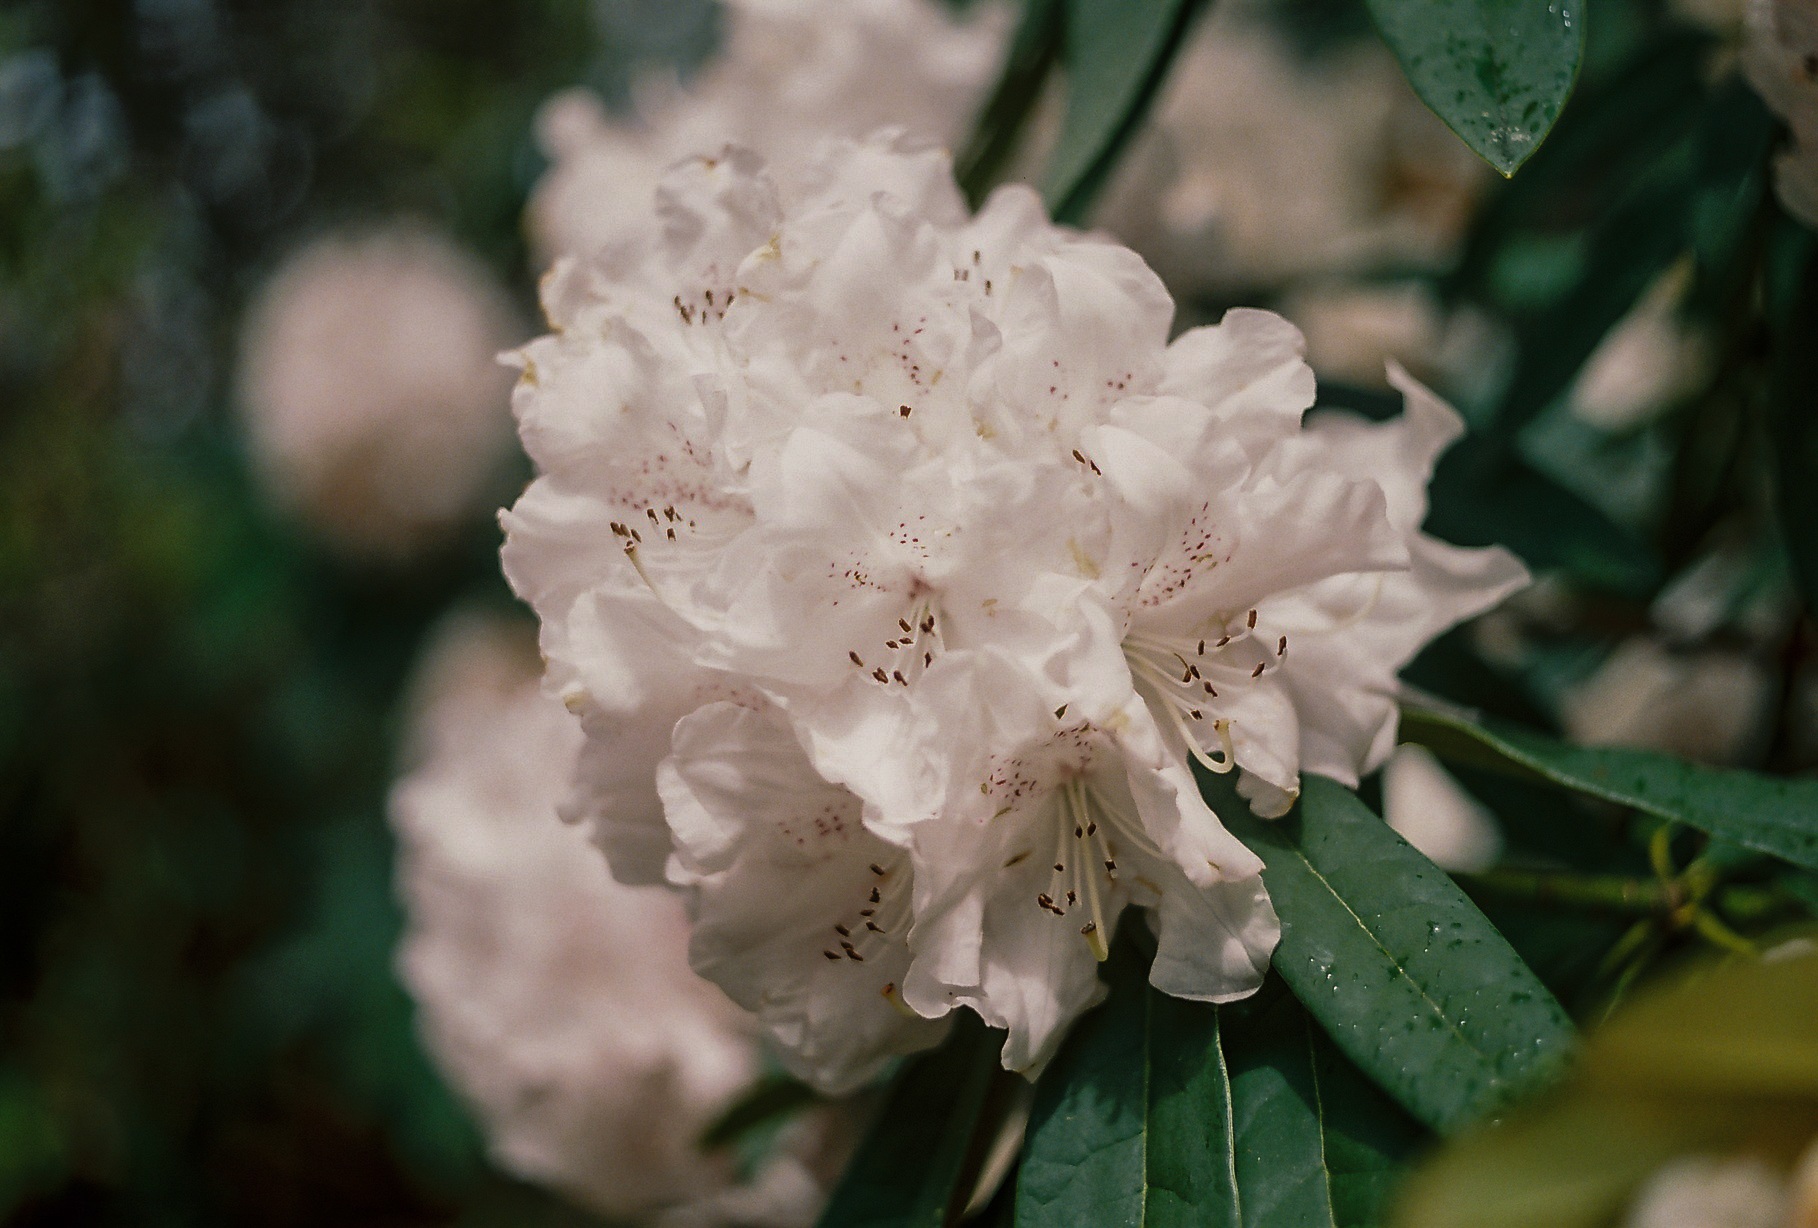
[
  {"x": 1281, "y": 647},
  {"x": 902, "y": 411},
  {"x": 867, "y": 912},
  {"x": 876, "y": 898},
  {"x": 651, "y": 512},
  {"x": 1211, "y": 691},
  {"x": 1253, "y": 620},
  {"x": 898, "y": 675},
  {"x": 928, "y": 623},
  {"x": 856, "y": 659},
  {"x": 1257, "y": 672},
  {"x": 877, "y": 869},
  {"x": 671, "y": 533},
  {"x": 842, "y": 931},
  {"x": 852, "y": 953},
  {"x": 904, "y": 624},
  {"x": 1196, "y": 715},
  {"x": 1059, "y": 867},
  {"x": 1110, "y": 867},
  {"x": 927, "y": 658},
  {"x": 1072, "y": 899},
  {"x": 1079, "y": 833},
  {"x": 1089, "y": 928},
  {"x": 830, "y": 955},
  {"x": 1092, "y": 829},
  {"x": 1202, "y": 648},
  {"x": 872, "y": 926},
  {"x": 1222, "y": 641},
  {"x": 1060, "y": 712},
  {"x": 880, "y": 675}
]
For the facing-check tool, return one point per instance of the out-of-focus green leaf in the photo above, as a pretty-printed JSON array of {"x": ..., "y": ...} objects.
[
  {"x": 765, "y": 1102},
  {"x": 1032, "y": 52},
  {"x": 1719, "y": 1058},
  {"x": 1497, "y": 71},
  {"x": 1163, "y": 1112},
  {"x": 909, "y": 1170},
  {"x": 1483, "y": 496},
  {"x": 1768, "y": 814},
  {"x": 1792, "y": 413},
  {"x": 1409, "y": 979},
  {"x": 1116, "y": 53}
]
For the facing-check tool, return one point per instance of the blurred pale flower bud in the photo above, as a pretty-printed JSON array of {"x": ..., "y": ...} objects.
[
  {"x": 1707, "y": 1192},
  {"x": 1432, "y": 811},
  {"x": 1647, "y": 359},
  {"x": 374, "y": 406}
]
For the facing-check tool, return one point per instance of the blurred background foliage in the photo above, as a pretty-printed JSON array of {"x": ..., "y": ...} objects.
[{"x": 199, "y": 704}]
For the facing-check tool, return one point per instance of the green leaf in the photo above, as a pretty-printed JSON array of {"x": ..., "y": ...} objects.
[
  {"x": 1116, "y": 53},
  {"x": 1409, "y": 979},
  {"x": 1497, "y": 71},
  {"x": 1031, "y": 53},
  {"x": 1769, "y": 814},
  {"x": 912, "y": 1170},
  {"x": 1485, "y": 496},
  {"x": 1163, "y": 1112},
  {"x": 1792, "y": 413}
]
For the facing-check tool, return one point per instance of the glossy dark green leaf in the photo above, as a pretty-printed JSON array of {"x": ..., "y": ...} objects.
[
  {"x": 1406, "y": 975},
  {"x": 1116, "y": 53},
  {"x": 910, "y": 1169},
  {"x": 1769, "y": 814},
  {"x": 1162, "y": 1112},
  {"x": 1497, "y": 71}
]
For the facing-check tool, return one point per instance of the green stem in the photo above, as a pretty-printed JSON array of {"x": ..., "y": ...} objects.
[{"x": 1610, "y": 892}]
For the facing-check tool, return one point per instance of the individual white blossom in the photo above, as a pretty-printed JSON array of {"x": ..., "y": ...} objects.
[
  {"x": 790, "y": 73},
  {"x": 370, "y": 392},
  {"x": 1261, "y": 166},
  {"x": 1780, "y": 57},
  {"x": 559, "y": 1003},
  {"x": 899, "y": 566}
]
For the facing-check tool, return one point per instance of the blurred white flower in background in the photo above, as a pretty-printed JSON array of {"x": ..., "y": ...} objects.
[
  {"x": 370, "y": 391},
  {"x": 1780, "y": 56},
  {"x": 790, "y": 73},
  {"x": 557, "y": 1001},
  {"x": 1259, "y": 167},
  {"x": 898, "y": 566}
]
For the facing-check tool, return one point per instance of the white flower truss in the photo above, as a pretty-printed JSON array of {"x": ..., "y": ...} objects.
[{"x": 900, "y": 568}]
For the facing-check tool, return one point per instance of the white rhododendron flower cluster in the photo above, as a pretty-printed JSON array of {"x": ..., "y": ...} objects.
[
  {"x": 789, "y": 73},
  {"x": 900, "y": 569},
  {"x": 557, "y": 1001},
  {"x": 370, "y": 392}
]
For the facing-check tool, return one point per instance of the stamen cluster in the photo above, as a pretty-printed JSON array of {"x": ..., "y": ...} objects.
[{"x": 898, "y": 584}]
